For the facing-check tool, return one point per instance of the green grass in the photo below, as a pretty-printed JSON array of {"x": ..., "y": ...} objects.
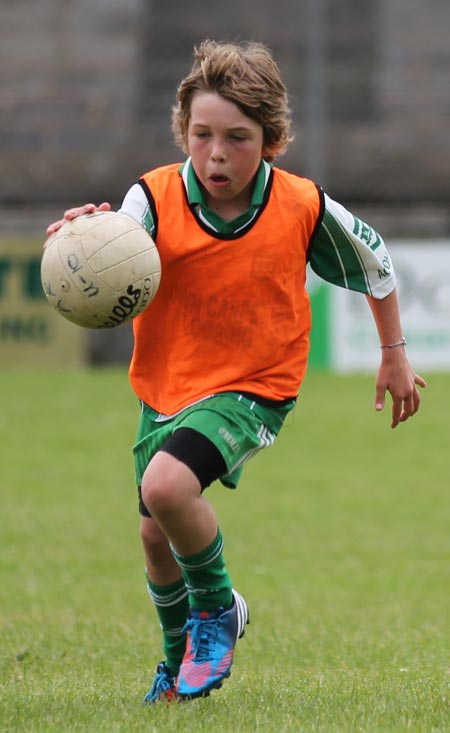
[{"x": 338, "y": 536}]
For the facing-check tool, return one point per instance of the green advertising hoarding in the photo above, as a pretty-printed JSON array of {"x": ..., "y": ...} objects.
[
  {"x": 320, "y": 294},
  {"x": 343, "y": 336}
]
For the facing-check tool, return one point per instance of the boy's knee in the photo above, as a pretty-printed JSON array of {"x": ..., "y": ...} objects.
[
  {"x": 158, "y": 494},
  {"x": 167, "y": 484}
]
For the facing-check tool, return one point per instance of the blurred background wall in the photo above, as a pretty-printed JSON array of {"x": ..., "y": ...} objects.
[{"x": 87, "y": 88}]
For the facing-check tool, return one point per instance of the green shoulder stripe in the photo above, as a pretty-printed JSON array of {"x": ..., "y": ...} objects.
[{"x": 335, "y": 258}]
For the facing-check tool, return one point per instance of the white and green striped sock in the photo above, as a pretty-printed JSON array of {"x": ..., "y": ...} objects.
[
  {"x": 172, "y": 607},
  {"x": 206, "y": 577}
]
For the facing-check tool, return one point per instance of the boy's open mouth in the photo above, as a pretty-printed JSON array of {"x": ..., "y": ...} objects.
[{"x": 217, "y": 178}]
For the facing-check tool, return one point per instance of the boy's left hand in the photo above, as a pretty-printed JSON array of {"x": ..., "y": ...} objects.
[{"x": 396, "y": 376}]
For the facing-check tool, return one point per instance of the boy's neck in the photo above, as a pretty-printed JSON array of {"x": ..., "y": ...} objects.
[{"x": 228, "y": 210}]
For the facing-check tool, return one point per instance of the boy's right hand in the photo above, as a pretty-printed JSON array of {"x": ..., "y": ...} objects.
[{"x": 73, "y": 213}]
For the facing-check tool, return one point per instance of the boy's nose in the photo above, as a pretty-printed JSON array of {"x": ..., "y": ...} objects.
[{"x": 217, "y": 152}]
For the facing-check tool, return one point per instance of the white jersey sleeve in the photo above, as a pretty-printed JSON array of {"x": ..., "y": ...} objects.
[
  {"x": 347, "y": 252},
  {"x": 135, "y": 204}
]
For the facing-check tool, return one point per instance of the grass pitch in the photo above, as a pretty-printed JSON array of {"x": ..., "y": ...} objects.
[{"x": 338, "y": 537}]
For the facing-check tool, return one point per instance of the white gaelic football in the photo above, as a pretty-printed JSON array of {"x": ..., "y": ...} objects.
[{"x": 100, "y": 270}]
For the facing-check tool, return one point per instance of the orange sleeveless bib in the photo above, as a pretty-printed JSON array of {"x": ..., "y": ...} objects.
[{"x": 232, "y": 312}]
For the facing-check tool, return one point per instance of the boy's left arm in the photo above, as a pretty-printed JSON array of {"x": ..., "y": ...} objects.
[
  {"x": 395, "y": 374},
  {"x": 347, "y": 252}
]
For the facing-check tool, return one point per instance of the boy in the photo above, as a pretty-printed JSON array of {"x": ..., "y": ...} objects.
[{"x": 221, "y": 352}]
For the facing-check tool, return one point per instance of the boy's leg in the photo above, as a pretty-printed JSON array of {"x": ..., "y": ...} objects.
[
  {"x": 210, "y": 441},
  {"x": 167, "y": 590},
  {"x": 172, "y": 493},
  {"x": 165, "y": 584}
]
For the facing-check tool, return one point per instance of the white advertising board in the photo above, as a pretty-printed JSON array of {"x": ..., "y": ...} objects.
[{"x": 423, "y": 281}]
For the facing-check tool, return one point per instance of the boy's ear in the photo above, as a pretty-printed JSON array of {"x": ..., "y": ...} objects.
[{"x": 268, "y": 154}]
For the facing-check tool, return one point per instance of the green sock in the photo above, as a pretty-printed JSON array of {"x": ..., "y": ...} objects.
[
  {"x": 171, "y": 603},
  {"x": 206, "y": 577}
]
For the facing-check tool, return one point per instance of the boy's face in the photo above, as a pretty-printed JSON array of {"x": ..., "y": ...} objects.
[{"x": 226, "y": 148}]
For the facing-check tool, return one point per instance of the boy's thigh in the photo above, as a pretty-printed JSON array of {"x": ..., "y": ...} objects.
[{"x": 215, "y": 438}]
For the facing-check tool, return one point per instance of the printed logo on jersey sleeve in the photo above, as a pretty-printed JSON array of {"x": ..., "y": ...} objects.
[{"x": 366, "y": 234}]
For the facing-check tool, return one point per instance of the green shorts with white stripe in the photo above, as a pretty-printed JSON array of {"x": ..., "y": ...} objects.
[{"x": 238, "y": 426}]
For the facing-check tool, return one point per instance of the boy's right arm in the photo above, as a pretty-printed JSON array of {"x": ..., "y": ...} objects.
[{"x": 71, "y": 214}]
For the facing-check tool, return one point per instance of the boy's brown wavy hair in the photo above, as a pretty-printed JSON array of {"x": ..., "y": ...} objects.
[{"x": 245, "y": 74}]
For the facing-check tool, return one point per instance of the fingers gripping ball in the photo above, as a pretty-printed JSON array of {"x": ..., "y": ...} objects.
[{"x": 100, "y": 270}]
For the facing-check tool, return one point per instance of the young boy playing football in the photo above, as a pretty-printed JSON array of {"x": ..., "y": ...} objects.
[{"x": 221, "y": 352}]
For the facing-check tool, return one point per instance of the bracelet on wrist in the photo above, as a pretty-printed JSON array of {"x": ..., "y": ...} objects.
[{"x": 402, "y": 342}]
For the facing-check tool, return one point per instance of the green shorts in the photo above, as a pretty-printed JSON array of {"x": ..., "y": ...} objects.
[{"x": 238, "y": 427}]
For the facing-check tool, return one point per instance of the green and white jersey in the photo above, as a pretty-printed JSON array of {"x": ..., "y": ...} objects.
[{"x": 345, "y": 250}]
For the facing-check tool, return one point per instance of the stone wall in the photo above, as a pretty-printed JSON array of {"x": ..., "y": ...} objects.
[
  {"x": 87, "y": 87},
  {"x": 68, "y": 100}
]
